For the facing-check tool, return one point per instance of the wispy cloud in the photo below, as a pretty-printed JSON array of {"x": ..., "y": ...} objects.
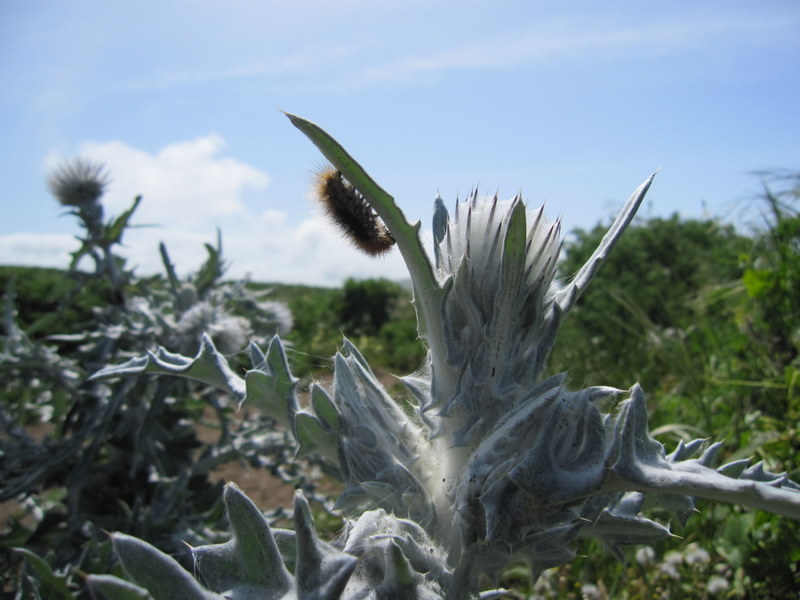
[
  {"x": 295, "y": 59},
  {"x": 271, "y": 66},
  {"x": 565, "y": 42}
]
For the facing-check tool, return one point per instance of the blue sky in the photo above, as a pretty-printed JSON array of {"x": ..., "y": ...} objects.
[{"x": 571, "y": 103}]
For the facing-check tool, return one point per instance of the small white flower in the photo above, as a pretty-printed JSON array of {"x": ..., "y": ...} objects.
[
  {"x": 669, "y": 570},
  {"x": 590, "y": 591},
  {"x": 645, "y": 555},
  {"x": 717, "y": 585},
  {"x": 669, "y": 565},
  {"x": 695, "y": 555}
]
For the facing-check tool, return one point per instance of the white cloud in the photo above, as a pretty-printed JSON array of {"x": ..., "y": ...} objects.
[
  {"x": 37, "y": 249},
  {"x": 186, "y": 182},
  {"x": 189, "y": 190},
  {"x": 266, "y": 248}
]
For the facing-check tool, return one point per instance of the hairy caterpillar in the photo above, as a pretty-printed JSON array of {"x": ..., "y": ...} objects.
[{"x": 351, "y": 212}]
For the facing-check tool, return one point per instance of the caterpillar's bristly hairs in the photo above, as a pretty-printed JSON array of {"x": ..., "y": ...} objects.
[{"x": 351, "y": 212}]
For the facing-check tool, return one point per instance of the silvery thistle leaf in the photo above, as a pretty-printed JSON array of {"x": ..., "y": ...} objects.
[
  {"x": 251, "y": 565},
  {"x": 497, "y": 464},
  {"x": 394, "y": 557}
]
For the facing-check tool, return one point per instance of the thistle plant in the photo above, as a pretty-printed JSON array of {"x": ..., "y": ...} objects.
[
  {"x": 125, "y": 455},
  {"x": 496, "y": 463},
  {"x": 34, "y": 374},
  {"x": 79, "y": 185}
]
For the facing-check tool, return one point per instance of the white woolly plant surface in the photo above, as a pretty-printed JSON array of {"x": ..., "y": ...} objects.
[{"x": 497, "y": 464}]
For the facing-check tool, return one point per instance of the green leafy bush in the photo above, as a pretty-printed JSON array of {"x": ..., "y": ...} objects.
[{"x": 719, "y": 349}]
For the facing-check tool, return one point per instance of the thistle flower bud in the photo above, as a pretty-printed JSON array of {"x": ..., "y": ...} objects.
[
  {"x": 79, "y": 183},
  {"x": 229, "y": 332}
]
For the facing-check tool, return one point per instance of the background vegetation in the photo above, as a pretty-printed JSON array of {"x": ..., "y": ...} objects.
[{"x": 706, "y": 317}]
